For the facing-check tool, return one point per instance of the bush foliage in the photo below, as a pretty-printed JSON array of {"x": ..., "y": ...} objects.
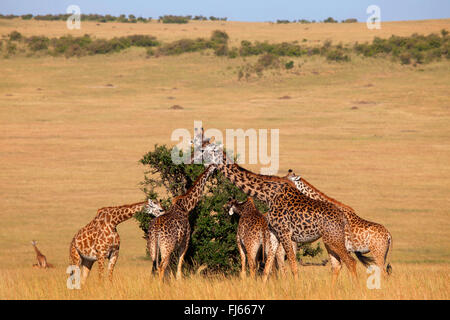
[{"x": 413, "y": 49}]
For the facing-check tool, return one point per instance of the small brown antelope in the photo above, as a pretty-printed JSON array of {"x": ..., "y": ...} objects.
[{"x": 42, "y": 260}]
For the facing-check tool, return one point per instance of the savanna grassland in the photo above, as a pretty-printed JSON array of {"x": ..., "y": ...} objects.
[{"x": 371, "y": 132}]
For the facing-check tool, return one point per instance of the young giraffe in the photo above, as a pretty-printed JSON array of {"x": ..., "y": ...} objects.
[
  {"x": 171, "y": 231},
  {"x": 292, "y": 216},
  {"x": 99, "y": 239},
  {"x": 42, "y": 260},
  {"x": 252, "y": 233},
  {"x": 364, "y": 236}
]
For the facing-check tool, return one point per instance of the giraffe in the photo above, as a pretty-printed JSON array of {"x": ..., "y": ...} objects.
[
  {"x": 292, "y": 216},
  {"x": 99, "y": 239},
  {"x": 171, "y": 231},
  {"x": 252, "y": 233},
  {"x": 363, "y": 237},
  {"x": 42, "y": 260}
]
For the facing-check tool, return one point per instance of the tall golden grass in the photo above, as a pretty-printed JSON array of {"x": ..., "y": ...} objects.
[{"x": 410, "y": 281}]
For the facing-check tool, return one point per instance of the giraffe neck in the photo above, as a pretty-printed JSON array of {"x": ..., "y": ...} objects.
[
  {"x": 125, "y": 212},
  {"x": 37, "y": 250},
  {"x": 246, "y": 207},
  {"x": 261, "y": 187},
  {"x": 308, "y": 189},
  {"x": 190, "y": 199}
]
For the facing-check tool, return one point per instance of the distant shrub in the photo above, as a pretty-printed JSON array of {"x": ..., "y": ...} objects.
[
  {"x": 200, "y": 18},
  {"x": 15, "y": 36},
  {"x": 183, "y": 45},
  {"x": 174, "y": 19},
  {"x": 283, "y": 21},
  {"x": 140, "y": 40},
  {"x": 9, "y": 16},
  {"x": 212, "y": 18},
  {"x": 289, "y": 65},
  {"x": 330, "y": 20},
  {"x": 27, "y": 16},
  {"x": 350, "y": 20},
  {"x": 233, "y": 53},
  {"x": 337, "y": 55},
  {"x": 269, "y": 60},
  {"x": 36, "y": 43},
  {"x": 221, "y": 50},
  {"x": 417, "y": 47},
  {"x": 11, "y": 48},
  {"x": 219, "y": 36}
]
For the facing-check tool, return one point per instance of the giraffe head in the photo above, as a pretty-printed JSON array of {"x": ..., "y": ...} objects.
[
  {"x": 233, "y": 206},
  {"x": 154, "y": 208},
  {"x": 210, "y": 153},
  {"x": 292, "y": 176}
]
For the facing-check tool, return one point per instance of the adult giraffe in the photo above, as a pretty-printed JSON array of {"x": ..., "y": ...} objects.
[
  {"x": 171, "y": 230},
  {"x": 292, "y": 216},
  {"x": 99, "y": 239},
  {"x": 363, "y": 236}
]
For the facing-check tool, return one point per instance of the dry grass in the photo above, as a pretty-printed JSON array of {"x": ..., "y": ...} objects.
[
  {"x": 409, "y": 282},
  {"x": 70, "y": 144}
]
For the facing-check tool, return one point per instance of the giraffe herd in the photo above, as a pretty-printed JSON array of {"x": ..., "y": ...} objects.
[{"x": 297, "y": 213}]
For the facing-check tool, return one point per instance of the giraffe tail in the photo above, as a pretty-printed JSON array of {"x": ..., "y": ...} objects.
[
  {"x": 390, "y": 244},
  {"x": 365, "y": 260}
]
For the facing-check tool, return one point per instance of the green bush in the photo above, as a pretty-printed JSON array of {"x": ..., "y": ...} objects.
[
  {"x": 337, "y": 55},
  {"x": 139, "y": 40},
  {"x": 183, "y": 45},
  {"x": 27, "y": 16},
  {"x": 36, "y": 43},
  {"x": 330, "y": 20},
  {"x": 174, "y": 19},
  {"x": 213, "y": 238},
  {"x": 289, "y": 65}
]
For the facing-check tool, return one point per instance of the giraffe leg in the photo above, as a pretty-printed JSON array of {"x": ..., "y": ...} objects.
[
  {"x": 338, "y": 249},
  {"x": 86, "y": 266},
  {"x": 166, "y": 251},
  {"x": 152, "y": 250},
  {"x": 271, "y": 249},
  {"x": 286, "y": 242},
  {"x": 335, "y": 263},
  {"x": 101, "y": 267},
  {"x": 242, "y": 254},
  {"x": 112, "y": 262},
  {"x": 74, "y": 256},
  {"x": 252, "y": 250},
  {"x": 182, "y": 250},
  {"x": 378, "y": 252}
]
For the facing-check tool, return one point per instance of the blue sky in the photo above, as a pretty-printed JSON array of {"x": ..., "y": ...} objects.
[{"x": 242, "y": 10}]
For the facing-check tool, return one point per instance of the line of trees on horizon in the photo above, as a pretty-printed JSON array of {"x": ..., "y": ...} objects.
[
  {"x": 110, "y": 18},
  {"x": 164, "y": 19}
]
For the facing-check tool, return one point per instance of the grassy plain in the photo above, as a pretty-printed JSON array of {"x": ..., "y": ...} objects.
[{"x": 370, "y": 132}]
